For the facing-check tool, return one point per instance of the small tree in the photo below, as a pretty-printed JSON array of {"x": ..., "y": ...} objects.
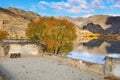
[
  {"x": 3, "y": 34},
  {"x": 57, "y": 34}
]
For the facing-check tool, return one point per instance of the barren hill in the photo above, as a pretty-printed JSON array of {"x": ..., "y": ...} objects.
[
  {"x": 111, "y": 24},
  {"x": 16, "y": 23},
  {"x": 96, "y": 19},
  {"x": 75, "y": 20},
  {"x": 26, "y": 14},
  {"x": 5, "y": 11}
]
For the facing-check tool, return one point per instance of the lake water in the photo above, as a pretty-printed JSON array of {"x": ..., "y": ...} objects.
[{"x": 95, "y": 50}]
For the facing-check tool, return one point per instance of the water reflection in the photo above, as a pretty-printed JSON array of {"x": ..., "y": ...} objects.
[
  {"x": 93, "y": 43},
  {"x": 93, "y": 47},
  {"x": 87, "y": 57},
  {"x": 114, "y": 48},
  {"x": 95, "y": 50}
]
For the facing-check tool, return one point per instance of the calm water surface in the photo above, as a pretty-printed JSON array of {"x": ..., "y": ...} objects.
[{"x": 95, "y": 50}]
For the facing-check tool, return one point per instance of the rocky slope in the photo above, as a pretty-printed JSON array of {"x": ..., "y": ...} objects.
[
  {"x": 100, "y": 24},
  {"x": 97, "y": 23},
  {"x": 26, "y": 14},
  {"x": 115, "y": 24},
  {"x": 15, "y": 21},
  {"x": 96, "y": 19},
  {"x": 94, "y": 28},
  {"x": 111, "y": 24}
]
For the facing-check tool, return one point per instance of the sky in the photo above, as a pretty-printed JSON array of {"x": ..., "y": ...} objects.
[{"x": 71, "y": 8}]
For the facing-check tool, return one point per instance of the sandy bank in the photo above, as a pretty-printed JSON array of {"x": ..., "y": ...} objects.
[{"x": 39, "y": 68}]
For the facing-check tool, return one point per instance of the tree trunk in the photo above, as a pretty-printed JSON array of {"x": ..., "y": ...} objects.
[{"x": 57, "y": 51}]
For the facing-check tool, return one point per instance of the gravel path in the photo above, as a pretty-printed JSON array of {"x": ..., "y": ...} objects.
[{"x": 39, "y": 68}]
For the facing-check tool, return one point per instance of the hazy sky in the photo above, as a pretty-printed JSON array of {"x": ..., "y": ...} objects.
[{"x": 66, "y": 7}]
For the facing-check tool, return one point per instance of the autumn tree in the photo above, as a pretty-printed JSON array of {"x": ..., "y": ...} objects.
[
  {"x": 57, "y": 34},
  {"x": 3, "y": 34}
]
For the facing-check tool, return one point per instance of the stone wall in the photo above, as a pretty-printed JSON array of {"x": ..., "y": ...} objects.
[
  {"x": 27, "y": 49},
  {"x": 112, "y": 66},
  {"x": 94, "y": 67},
  {"x": 116, "y": 67},
  {"x": 24, "y": 48}
]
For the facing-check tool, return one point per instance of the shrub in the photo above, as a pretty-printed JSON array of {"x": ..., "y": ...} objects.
[{"x": 57, "y": 34}]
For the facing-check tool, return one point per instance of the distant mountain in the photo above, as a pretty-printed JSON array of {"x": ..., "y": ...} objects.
[
  {"x": 94, "y": 28},
  {"x": 114, "y": 23},
  {"x": 15, "y": 21},
  {"x": 111, "y": 24},
  {"x": 75, "y": 20},
  {"x": 95, "y": 19}
]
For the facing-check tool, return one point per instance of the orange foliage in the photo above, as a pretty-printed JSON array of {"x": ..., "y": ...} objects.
[
  {"x": 3, "y": 34},
  {"x": 55, "y": 33}
]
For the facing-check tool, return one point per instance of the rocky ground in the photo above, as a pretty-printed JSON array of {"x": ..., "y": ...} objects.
[{"x": 40, "y": 68}]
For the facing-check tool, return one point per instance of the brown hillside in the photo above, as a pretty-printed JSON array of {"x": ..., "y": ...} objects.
[
  {"x": 96, "y": 19},
  {"x": 13, "y": 23},
  {"x": 26, "y": 14},
  {"x": 5, "y": 11}
]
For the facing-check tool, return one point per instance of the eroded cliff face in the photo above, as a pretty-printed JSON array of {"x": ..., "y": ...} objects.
[{"x": 16, "y": 21}]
